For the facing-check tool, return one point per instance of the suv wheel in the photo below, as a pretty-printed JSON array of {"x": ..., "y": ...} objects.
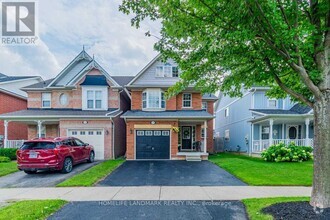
[
  {"x": 30, "y": 172},
  {"x": 91, "y": 157},
  {"x": 67, "y": 165}
]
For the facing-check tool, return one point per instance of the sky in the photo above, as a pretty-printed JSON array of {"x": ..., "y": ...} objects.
[{"x": 65, "y": 26}]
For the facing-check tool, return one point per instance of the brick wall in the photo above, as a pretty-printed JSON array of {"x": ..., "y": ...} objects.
[
  {"x": 136, "y": 103},
  {"x": 9, "y": 103},
  {"x": 74, "y": 96},
  {"x": 131, "y": 131}
]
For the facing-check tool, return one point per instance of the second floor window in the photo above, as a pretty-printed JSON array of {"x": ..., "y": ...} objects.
[
  {"x": 272, "y": 103},
  {"x": 94, "y": 99},
  {"x": 227, "y": 112},
  {"x": 46, "y": 100},
  {"x": 186, "y": 100},
  {"x": 204, "y": 105},
  {"x": 167, "y": 70},
  {"x": 153, "y": 98}
]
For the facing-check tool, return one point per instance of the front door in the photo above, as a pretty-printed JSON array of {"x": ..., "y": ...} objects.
[
  {"x": 186, "y": 138},
  {"x": 292, "y": 132}
]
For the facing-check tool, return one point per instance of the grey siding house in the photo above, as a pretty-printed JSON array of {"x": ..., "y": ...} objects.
[{"x": 254, "y": 122}]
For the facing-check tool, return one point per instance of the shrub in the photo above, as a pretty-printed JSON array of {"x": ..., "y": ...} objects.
[
  {"x": 8, "y": 152},
  {"x": 290, "y": 153},
  {"x": 4, "y": 159}
]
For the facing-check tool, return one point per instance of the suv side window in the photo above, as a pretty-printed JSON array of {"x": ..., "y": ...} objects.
[{"x": 79, "y": 142}]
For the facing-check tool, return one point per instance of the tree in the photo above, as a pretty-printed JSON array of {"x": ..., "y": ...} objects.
[{"x": 224, "y": 44}]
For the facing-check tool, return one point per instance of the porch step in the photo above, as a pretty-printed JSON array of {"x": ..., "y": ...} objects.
[{"x": 193, "y": 158}]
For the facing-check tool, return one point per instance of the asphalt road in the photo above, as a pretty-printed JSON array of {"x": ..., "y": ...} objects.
[
  {"x": 224, "y": 210},
  {"x": 170, "y": 173},
  {"x": 40, "y": 179}
]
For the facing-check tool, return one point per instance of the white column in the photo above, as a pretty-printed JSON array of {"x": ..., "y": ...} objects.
[
  {"x": 271, "y": 123},
  {"x": 205, "y": 135},
  {"x": 252, "y": 137},
  {"x": 283, "y": 132},
  {"x": 260, "y": 137},
  {"x": 39, "y": 128},
  {"x": 5, "y": 134},
  {"x": 307, "y": 142}
]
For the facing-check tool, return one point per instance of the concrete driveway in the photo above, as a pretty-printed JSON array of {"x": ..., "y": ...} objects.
[
  {"x": 40, "y": 179},
  {"x": 228, "y": 210},
  {"x": 170, "y": 173}
]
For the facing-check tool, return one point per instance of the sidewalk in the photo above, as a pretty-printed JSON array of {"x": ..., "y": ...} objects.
[{"x": 152, "y": 193}]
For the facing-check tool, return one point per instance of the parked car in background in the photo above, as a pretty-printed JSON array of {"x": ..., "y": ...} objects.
[{"x": 60, "y": 153}]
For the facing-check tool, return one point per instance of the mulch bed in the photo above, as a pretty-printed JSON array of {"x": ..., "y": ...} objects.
[{"x": 296, "y": 211}]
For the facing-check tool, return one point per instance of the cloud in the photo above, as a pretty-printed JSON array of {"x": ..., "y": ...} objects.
[{"x": 64, "y": 26}]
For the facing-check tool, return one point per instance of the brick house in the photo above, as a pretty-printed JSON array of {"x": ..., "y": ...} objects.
[
  {"x": 178, "y": 128},
  {"x": 82, "y": 101},
  {"x": 13, "y": 99}
]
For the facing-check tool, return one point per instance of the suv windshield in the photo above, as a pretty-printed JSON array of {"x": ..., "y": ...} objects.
[{"x": 38, "y": 145}]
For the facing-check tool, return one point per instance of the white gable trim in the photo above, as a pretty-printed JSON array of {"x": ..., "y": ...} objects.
[
  {"x": 93, "y": 65},
  {"x": 81, "y": 55},
  {"x": 144, "y": 69}
]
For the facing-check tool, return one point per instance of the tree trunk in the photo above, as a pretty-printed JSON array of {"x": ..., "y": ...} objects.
[{"x": 321, "y": 181}]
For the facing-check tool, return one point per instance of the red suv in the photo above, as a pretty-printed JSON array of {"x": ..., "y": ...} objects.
[{"x": 53, "y": 154}]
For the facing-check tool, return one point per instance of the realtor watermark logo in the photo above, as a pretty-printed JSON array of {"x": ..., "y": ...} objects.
[{"x": 19, "y": 23}]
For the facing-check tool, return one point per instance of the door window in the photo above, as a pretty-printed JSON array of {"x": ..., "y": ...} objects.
[
  {"x": 293, "y": 133},
  {"x": 186, "y": 133}
]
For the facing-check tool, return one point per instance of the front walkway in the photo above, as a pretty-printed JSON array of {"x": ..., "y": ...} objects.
[{"x": 152, "y": 193}]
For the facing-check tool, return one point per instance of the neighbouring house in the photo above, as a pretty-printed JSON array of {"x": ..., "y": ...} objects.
[
  {"x": 14, "y": 99},
  {"x": 253, "y": 122},
  {"x": 82, "y": 101},
  {"x": 178, "y": 128}
]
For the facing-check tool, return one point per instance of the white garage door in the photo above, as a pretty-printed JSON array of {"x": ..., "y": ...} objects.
[{"x": 94, "y": 137}]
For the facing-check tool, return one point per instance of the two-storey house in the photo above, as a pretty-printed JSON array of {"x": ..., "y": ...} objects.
[
  {"x": 82, "y": 101},
  {"x": 180, "y": 127},
  {"x": 14, "y": 99},
  {"x": 253, "y": 122}
]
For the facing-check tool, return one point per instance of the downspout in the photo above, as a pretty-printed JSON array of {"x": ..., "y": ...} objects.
[{"x": 113, "y": 137}]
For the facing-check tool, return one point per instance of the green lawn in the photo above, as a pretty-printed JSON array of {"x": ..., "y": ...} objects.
[
  {"x": 30, "y": 209},
  {"x": 257, "y": 172},
  {"x": 254, "y": 206},
  {"x": 7, "y": 168},
  {"x": 93, "y": 175}
]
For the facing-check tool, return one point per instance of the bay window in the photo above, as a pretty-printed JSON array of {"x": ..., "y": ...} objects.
[{"x": 153, "y": 99}]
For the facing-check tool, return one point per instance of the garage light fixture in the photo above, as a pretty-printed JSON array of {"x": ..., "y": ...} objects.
[
  {"x": 85, "y": 122},
  {"x": 152, "y": 122}
]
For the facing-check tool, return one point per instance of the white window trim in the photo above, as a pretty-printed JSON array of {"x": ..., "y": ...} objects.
[
  {"x": 276, "y": 103},
  {"x": 147, "y": 108},
  {"x": 226, "y": 112},
  {"x": 191, "y": 97},
  {"x": 42, "y": 100},
  {"x": 103, "y": 89}
]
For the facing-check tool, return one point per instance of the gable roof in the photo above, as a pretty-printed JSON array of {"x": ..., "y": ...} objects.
[
  {"x": 144, "y": 69},
  {"x": 76, "y": 69},
  {"x": 40, "y": 85},
  {"x": 4, "y": 78},
  {"x": 209, "y": 96},
  {"x": 297, "y": 109},
  {"x": 123, "y": 80}
]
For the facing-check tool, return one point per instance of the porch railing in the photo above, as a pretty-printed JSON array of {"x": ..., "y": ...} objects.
[
  {"x": 14, "y": 143},
  {"x": 260, "y": 145}
]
